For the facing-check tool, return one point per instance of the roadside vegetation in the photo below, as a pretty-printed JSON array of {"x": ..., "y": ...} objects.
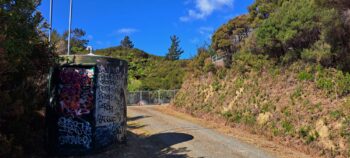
[{"x": 286, "y": 75}]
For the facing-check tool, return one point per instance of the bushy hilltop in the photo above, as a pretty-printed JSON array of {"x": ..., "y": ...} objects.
[
  {"x": 286, "y": 75},
  {"x": 146, "y": 71}
]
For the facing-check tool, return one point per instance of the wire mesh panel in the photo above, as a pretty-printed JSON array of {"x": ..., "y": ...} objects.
[
  {"x": 134, "y": 97},
  {"x": 151, "y": 97}
]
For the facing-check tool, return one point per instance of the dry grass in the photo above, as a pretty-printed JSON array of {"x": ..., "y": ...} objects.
[{"x": 296, "y": 106}]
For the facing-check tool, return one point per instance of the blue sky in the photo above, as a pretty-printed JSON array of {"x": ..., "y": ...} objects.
[{"x": 149, "y": 23}]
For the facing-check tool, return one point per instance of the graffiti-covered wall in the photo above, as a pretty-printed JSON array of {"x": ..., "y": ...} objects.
[
  {"x": 75, "y": 107},
  {"x": 110, "y": 103},
  {"x": 87, "y": 108}
]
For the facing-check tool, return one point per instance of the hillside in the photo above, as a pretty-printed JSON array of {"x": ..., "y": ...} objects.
[
  {"x": 148, "y": 72},
  {"x": 286, "y": 75}
]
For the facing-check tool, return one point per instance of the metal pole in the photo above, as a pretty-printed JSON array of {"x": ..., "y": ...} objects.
[
  {"x": 50, "y": 29},
  {"x": 70, "y": 25}
]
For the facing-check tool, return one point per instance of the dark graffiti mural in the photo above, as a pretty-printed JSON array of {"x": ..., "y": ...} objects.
[
  {"x": 76, "y": 93},
  {"x": 75, "y": 105}
]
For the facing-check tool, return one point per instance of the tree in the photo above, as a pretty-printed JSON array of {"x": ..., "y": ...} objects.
[
  {"x": 78, "y": 41},
  {"x": 25, "y": 61},
  {"x": 127, "y": 43},
  {"x": 174, "y": 51}
]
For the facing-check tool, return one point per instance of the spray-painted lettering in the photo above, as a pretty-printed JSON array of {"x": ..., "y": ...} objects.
[
  {"x": 73, "y": 132},
  {"x": 110, "y": 83}
]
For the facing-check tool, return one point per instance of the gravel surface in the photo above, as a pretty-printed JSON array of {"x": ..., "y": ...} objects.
[
  {"x": 179, "y": 137},
  {"x": 155, "y": 134}
]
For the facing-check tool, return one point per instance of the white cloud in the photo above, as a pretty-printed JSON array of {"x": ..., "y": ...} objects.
[
  {"x": 205, "y": 30},
  {"x": 204, "y": 8},
  {"x": 127, "y": 31}
]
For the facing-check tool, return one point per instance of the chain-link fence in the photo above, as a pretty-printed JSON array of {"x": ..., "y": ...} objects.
[{"x": 151, "y": 97}]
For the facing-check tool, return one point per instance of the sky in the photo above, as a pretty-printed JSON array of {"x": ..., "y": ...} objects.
[{"x": 149, "y": 23}]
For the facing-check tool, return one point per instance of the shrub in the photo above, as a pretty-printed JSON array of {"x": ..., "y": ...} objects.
[
  {"x": 287, "y": 127},
  {"x": 246, "y": 62},
  {"x": 305, "y": 76}
]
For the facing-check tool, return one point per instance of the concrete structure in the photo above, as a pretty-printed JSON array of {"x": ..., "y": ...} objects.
[{"x": 87, "y": 108}]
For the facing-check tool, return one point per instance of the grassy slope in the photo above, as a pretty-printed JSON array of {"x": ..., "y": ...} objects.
[{"x": 299, "y": 105}]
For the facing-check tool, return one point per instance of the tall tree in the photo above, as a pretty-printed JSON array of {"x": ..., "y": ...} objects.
[
  {"x": 78, "y": 40},
  {"x": 175, "y": 51},
  {"x": 127, "y": 43}
]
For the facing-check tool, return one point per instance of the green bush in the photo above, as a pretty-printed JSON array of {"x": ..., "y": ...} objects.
[
  {"x": 305, "y": 76},
  {"x": 246, "y": 62},
  {"x": 333, "y": 81},
  {"x": 287, "y": 127}
]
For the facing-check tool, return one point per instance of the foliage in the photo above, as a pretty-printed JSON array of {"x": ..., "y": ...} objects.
[
  {"x": 201, "y": 62},
  {"x": 305, "y": 76},
  {"x": 126, "y": 43},
  {"x": 290, "y": 29},
  {"x": 148, "y": 72},
  {"x": 164, "y": 74},
  {"x": 78, "y": 41},
  {"x": 226, "y": 40},
  {"x": 175, "y": 51},
  {"x": 24, "y": 60},
  {"x": 245, "y": 62},
  {"x": 260, "y": 10}
]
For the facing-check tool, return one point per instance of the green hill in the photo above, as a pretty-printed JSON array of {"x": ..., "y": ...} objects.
[{"x": 148, "y": 72}]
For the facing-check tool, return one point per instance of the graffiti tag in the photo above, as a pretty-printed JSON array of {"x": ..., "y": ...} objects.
[{"x": 74, "y": 133}]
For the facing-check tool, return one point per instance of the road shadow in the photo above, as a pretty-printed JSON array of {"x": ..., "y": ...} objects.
[
  {"x": 158, "y": 145},
  {"x": 135, "y": 118},
  {"x": 153, "y": 146}
]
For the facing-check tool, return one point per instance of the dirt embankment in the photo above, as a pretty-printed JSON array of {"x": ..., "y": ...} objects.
[{"x": 286, "y": 106}]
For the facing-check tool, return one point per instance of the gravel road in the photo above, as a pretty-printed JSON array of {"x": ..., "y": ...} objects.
[{"x": 174, "y": 137}]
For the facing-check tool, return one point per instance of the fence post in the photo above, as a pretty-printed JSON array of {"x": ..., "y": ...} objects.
[
  {"x": 140, "y": 97},
  {"x": 159, "y": 97}
]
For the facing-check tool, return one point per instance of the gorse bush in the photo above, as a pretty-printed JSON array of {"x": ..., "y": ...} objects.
[{"x": 289, "y": 30}]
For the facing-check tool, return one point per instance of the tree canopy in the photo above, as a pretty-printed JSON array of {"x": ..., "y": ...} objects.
[
  {"x": 127, "y": 43},
  {"x": 174, "y": 52}
]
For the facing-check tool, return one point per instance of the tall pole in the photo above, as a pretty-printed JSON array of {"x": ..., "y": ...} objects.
[
  {"x": 70, "y": 25},
  {"x": 50, "y": 29}
]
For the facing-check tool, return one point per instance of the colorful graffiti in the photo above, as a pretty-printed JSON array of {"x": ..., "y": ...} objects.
[{"x": 76, "y": 93}]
